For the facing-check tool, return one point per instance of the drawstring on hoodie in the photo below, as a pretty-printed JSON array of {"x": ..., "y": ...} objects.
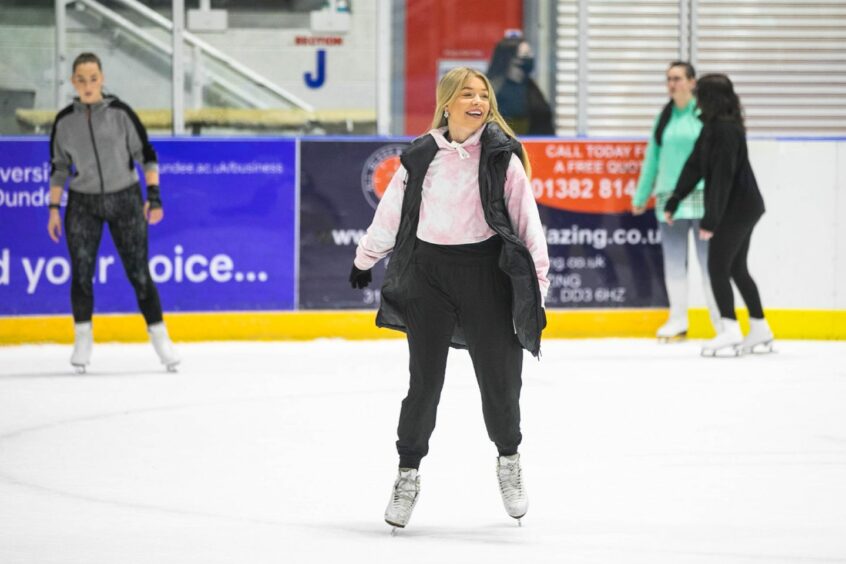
[{"x": 462, "y": 152}]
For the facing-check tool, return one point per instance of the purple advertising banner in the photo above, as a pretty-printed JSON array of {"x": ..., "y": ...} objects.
[
  {"x": 227, "y": 241},
  {"x": 601, "y": 256},
  {"x": 341, "y": 182}
]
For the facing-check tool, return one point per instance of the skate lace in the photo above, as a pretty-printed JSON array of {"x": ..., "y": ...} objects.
[
  {"x": 511, "y": 481},
  {"x": 405, "y": 489}
]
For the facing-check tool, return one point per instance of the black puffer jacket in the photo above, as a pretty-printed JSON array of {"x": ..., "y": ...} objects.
[{"x": 515, "y": 259}]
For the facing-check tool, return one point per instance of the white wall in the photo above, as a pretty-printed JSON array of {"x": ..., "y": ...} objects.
[
  {"x": 840, "y": 239},
  {"x": 798, "y": 251},
  {"x": 141, "y": 75},
  {"x": 351, "y": 67}
]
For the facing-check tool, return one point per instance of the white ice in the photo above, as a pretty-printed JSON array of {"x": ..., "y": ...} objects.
[{"x": 633, "y": 452}]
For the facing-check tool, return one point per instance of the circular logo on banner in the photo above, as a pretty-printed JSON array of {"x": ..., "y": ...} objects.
[{"x": 378, "y": 170}]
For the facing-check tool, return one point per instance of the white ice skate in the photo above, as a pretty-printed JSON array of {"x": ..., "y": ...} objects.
[
  {"x": 759, "y": 339},
  {"x": 673, "y": 330},
  {"x": 403, "y": 498},
  {"x": 510, "y": 476},
  {"x": 83, "y": 341},
  {"x": 727, "y": 340},
  {"x": 164, "y": 346}
]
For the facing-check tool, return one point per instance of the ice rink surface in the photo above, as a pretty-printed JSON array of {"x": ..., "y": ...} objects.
[{"x": 633, "y": 452}]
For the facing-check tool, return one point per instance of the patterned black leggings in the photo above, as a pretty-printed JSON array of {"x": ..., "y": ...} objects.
[{"x": 124, "y": 212}]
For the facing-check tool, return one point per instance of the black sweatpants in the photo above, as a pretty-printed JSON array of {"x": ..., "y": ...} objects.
[
  {"x": 124, "y": 212},
  {"x": 460, "y": 284},
  {"x": 727, "y": 253}
]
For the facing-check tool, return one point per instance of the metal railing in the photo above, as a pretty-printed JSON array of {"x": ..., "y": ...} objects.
[{"x": 200, "y": 48}]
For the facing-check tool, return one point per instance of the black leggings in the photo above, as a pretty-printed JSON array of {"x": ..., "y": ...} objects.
[
  {"x": 124, "y": 212},
  {"x": 727, "y": 252},
  {"x": 460, "y": 284}
]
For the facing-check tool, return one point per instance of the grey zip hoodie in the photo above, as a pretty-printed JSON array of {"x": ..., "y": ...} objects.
[{"x": 97, "y": 146}]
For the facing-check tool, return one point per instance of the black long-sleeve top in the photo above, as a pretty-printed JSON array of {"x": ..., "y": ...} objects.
[{"x": 721, "y": 157}]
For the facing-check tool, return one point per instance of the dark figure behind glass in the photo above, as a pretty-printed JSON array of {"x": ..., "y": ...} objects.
[{"x": 519, "y": 99}]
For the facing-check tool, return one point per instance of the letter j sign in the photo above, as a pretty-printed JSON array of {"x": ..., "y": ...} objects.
[{"x": 318, "y": 77}]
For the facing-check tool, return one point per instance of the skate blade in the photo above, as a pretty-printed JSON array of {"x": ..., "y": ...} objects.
[
  {"x": 680, "y": 338},
  {"x": 79, "y": 368},
  {"x": 725, "y": 352},
  {"x": 760, "y": 348},
  {"x": 395, "y": 526},
  {"x": 172, "y": 367}
]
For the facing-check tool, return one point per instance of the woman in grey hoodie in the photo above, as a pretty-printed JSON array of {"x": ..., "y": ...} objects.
[{"x": 96, "y": 142}]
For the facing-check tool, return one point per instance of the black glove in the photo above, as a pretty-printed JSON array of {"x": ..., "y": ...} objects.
[
  {"x": 154, "y": 196},
  {"x": 360, "y": 278}
]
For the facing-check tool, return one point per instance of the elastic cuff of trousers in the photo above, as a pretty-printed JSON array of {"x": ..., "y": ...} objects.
[
  {"x": 409, "y": 463},
  {"x": 508, "y": 452}
]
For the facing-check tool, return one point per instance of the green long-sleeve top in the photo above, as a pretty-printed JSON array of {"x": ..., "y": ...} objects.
[{"x": 663, "y": 165}]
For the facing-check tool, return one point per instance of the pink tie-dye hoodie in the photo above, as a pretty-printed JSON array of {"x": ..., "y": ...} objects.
[{"x": 451, "y": 207}]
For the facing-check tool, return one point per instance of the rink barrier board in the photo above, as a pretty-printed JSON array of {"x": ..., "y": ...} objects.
[{"x": 356, "y": 324}]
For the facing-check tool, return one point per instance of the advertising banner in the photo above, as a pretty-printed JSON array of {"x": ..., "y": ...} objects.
[
  {"x": 227, "y": 241},
  {"x": 341, "y": 182},
  {"x": 601, "y": 256}
]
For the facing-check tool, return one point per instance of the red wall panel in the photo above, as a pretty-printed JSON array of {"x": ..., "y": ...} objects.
[{"x": 439, "y": 30}]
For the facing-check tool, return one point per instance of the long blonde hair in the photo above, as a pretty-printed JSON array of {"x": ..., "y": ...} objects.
[{"x": 449, "y": 88}]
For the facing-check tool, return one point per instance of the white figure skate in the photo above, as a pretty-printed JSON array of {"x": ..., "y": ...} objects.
[
  {"x": 83, "y": 341},
  {"x": 403, "y": 498},
  {"x": 727, "y": 340},
  {"x": 164, "y": 346},
  {"x": 759, "y": 339},
  {"x": 510, "y": 476},
  {"x": 674, "y": 330}
]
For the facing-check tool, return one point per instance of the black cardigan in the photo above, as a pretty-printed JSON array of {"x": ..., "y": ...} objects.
[{"x": 720, "y": 156}]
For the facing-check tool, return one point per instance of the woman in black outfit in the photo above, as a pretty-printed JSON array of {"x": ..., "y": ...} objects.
[
  {"x": 468, "y": 269},
  {"x": 520, "y": 100},
  {"x": 733, "y": 206}
]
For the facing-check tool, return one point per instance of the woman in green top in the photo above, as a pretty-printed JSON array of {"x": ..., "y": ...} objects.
[{"x": 675, "y": 133}]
